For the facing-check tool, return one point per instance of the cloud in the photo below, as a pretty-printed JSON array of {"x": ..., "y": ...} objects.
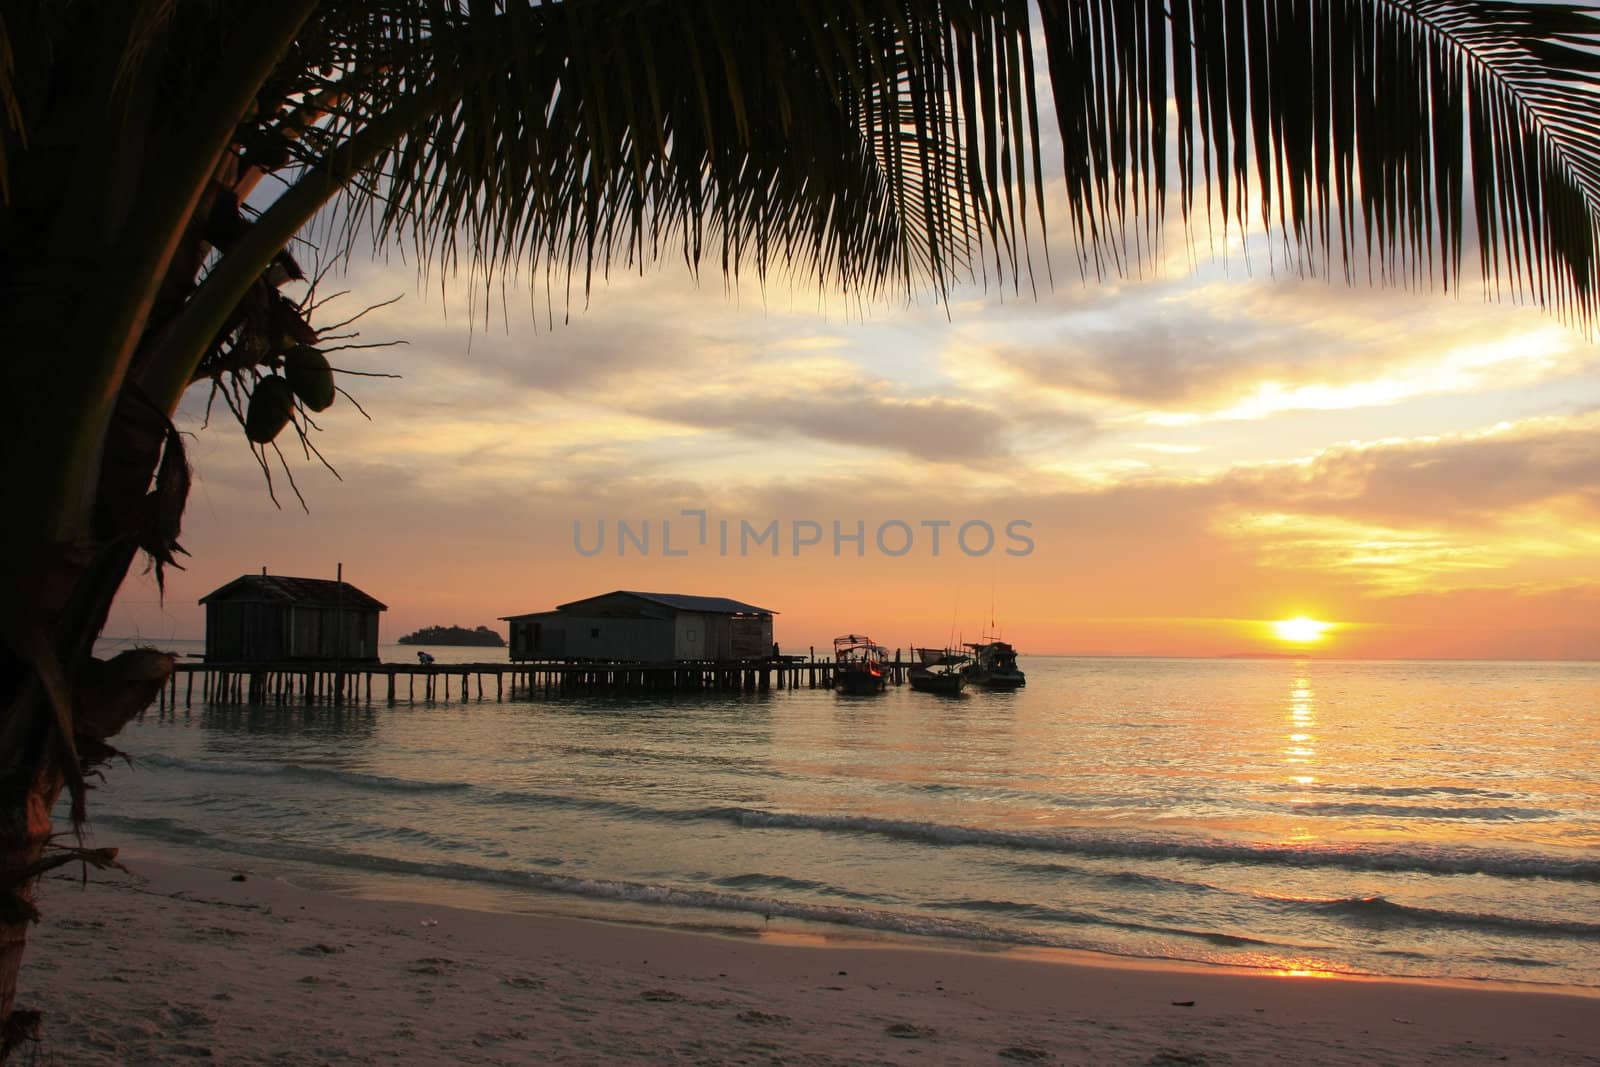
[
  {"x": 1191, "y": 352},
  {"x": 931, "y": 428},
  {"x": 1469, "y": 480},
  {"x": 1520, "y": 502}
]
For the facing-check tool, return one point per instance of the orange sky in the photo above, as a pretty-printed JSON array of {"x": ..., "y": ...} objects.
[
  {"x": 1194, "y": 456},
  {"x": 1198, "y": 452}
]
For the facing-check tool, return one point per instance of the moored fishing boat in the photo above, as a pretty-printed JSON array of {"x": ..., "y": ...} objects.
[
  {"x": 938, "y": 670},
  {"x": 858, "y": 664},
  {"x": 994, "y": 666}
]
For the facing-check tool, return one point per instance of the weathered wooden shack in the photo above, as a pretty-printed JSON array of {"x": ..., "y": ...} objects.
[
  {"x": 273, "y": 618},
  {"x": 629, "y": 626}
]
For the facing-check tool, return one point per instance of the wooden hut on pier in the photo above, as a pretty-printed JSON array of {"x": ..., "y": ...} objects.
[
  {"x": 273, "y": 618},
  {"x": 629, "y": 626}
]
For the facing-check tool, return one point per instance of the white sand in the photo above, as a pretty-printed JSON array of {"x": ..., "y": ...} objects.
[{"x": 176, "y": 964}]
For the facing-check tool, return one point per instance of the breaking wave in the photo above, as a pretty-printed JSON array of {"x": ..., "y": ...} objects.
[
  {"x": 1378, "y": 912},
  {"x": 1082, "y": 842}
]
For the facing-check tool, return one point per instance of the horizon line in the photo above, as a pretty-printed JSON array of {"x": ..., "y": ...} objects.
[{"x": 1266, "y": 655}]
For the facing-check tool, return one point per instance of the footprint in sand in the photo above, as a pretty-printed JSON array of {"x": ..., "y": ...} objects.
[
  {"x": 319, "y": 949},
  {"x": 434, "y": 966},
  {"x": 665, "y": 996},
  {"x": 186, "y": 1017},
  {"x": 1175, "y": 1058}
]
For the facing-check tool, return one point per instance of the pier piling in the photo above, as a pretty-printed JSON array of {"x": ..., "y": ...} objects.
[{"x": 338, "y": 684}]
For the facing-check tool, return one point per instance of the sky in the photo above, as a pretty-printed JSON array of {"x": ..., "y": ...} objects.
[{"x": 1153, "y": 465}]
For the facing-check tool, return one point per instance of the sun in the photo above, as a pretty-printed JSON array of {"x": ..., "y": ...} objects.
[{"x": 1300, "y": 630}]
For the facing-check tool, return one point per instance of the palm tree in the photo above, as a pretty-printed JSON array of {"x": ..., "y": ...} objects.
[{"x": 158, "y": 159}]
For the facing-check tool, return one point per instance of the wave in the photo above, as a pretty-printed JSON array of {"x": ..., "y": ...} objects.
[
  {"x": 1135, "y": 879},
  {"x": 918, "y": 922},
  {"x": 1087, "y": 843},
  {"x": 1423, "y": 859},
  {"x": 301, "y": 772},
  {"x": 1402, "y": 791},
  {"x": 175, "y": 832},
  {"x": 982, "y": 794},
  {"x": 802, "y": 885},
  {"x": 1378, "y": 911},
  {"x": 881, "y": 919},
  {"x": 1074, "y": 917},
  {"x": 633, "y": 757},
  {"x": 372, "y": 781},
  {"x": 1502, "y": 813}
]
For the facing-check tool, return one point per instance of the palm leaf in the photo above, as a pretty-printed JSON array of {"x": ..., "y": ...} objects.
[
  {"x": 857, "y": 140},
  {"x": 869, "y": 142},
  {"x": 1358, "y": 126}
]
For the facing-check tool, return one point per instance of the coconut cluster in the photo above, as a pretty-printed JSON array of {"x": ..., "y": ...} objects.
[{"x": 306, "y": 376}]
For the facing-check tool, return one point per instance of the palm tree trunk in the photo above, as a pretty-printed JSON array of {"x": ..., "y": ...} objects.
[
  {"x": 25, "y": 828},
  {"x": 62, "y": 704},
  {"x": 107, "y": 694}
]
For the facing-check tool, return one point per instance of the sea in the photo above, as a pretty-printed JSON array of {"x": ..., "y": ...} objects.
[{"x": 1420, "y": 819}]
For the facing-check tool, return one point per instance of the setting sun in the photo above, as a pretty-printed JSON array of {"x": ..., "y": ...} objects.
[{"x": 1299, "y": 630}]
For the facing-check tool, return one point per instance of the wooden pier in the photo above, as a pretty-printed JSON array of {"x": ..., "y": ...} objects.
[{"x": 391, "y": 683}]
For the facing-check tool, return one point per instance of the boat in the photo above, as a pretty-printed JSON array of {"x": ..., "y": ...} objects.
[
  {"x": 858, "y": 664},
  {"x": 994, "y": 666},
  {"x": 938, "y": 670}
]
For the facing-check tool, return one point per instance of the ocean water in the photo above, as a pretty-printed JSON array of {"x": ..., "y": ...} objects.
[{"x": 1437, "y": 819}]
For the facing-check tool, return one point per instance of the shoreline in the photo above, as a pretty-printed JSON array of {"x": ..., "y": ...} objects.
[
  {"x": 177, "y": 960},
  {"x": 383, "y": 886},
  {"x": 392, "y": 888}
]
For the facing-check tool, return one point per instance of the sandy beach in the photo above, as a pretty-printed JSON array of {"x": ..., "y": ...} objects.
[{"x": 170, "y": 963}]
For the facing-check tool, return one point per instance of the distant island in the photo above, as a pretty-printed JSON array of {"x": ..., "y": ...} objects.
[{"x": 454, "y": 635}]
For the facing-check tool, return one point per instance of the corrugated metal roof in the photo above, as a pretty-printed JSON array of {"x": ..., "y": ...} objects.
[
  {"x": 710, "y": 605},
  {"x": 281, "y": 587}
]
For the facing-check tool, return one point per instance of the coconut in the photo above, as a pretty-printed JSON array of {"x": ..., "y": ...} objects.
[
  {"x": 268, "y": 412},
  {"x": 309, "y": 376}
]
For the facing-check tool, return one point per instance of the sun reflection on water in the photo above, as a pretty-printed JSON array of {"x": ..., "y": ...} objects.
[
  {"x": 1301, "y": 748},
  {"x": 1302, "y": 722},
  {"x": 1292, "y": 966}
]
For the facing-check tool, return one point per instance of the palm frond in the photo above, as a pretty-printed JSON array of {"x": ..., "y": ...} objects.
[
  {"x": 859, "y": 140},
  {"x": 872, "y": 142},
  {"x": 1354, "y": 127}
]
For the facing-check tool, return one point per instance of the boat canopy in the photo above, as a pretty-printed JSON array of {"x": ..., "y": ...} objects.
[{"x": 858, "y": 647}]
